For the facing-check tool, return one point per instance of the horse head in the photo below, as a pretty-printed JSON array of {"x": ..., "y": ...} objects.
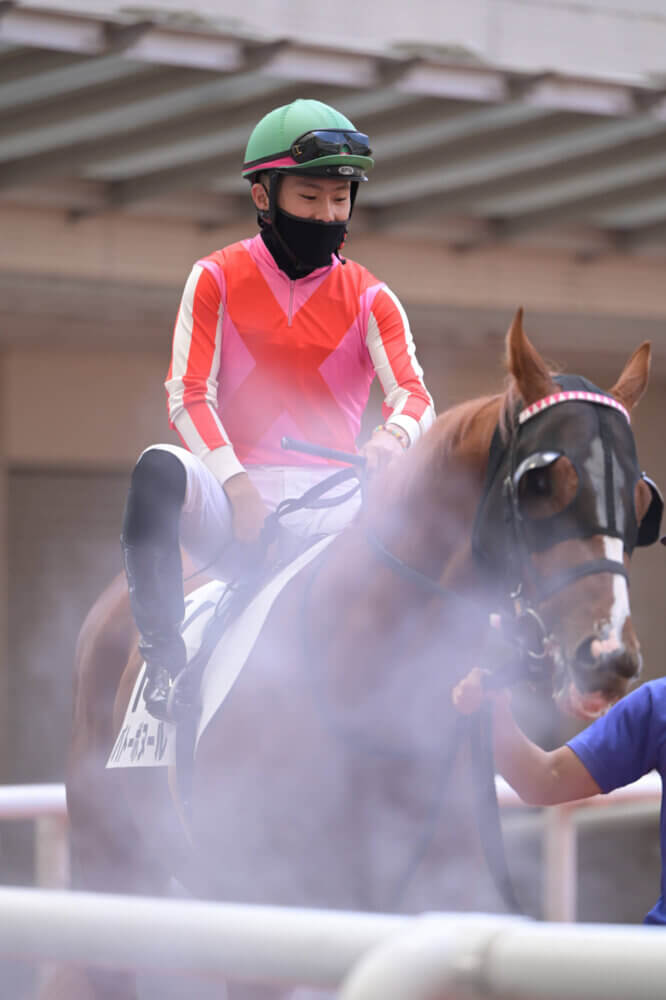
[{"x": 564, "y": 506}]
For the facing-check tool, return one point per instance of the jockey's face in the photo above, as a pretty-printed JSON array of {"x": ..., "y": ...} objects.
[{"x": 322, "y": 198}]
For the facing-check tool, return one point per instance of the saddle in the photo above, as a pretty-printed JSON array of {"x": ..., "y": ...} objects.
[{"x": 280, "y": 548}]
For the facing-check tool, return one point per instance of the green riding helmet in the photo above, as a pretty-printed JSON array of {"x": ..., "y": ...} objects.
[{"x": 308, "y": 137}]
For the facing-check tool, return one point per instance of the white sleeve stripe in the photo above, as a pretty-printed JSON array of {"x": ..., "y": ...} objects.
[
  {"x": 399, "y": 399},
  {"x": 396, "y": 397},
  {"x": 182, "y": 343},
  {"x": 378, "y": 355},
  {"x": 409, "y": 340},
  {"x": 222, "y": 462},
  {"x": 191, "y": 436},
  {"x": 182, "y": 334}
]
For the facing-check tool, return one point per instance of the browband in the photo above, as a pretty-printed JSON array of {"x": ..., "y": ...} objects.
[{"x": 566, "y": 396}]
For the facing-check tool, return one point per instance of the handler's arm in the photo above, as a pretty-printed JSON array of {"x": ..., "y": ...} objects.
[{"x": 540, "y": 777}]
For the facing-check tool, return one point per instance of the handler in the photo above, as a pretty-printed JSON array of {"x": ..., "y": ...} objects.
[
  {"x": 615, "y": 750},
  {"x": 277, "y": 334}
]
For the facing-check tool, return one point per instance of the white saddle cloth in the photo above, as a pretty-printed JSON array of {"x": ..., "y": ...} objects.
[{"x": 144, "y": 741}]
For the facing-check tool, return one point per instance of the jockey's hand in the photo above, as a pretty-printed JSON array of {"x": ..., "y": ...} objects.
[
  {"x": 469, "y": 694},
  {"x": 383, "y": 448},
  {"x": 248, "y": 511}
]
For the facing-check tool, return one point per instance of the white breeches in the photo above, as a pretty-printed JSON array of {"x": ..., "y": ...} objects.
[{"x": 205, "y": 523}]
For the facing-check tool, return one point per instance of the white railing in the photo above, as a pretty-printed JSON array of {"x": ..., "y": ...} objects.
[
  {"x": 560, "y": 875},
  {"x": 46, "y": 805},
  {"x": 365, "y": 956},
  {"x": 482, "y": 957}
]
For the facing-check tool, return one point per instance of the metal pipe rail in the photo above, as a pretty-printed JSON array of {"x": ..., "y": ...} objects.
[
  {"x": 366, "y": 956},
  {"x": 560, "y": 874},
  {"x": 47, "y": 806},
  {"x": 278, "y": 945},
  {"x": 484, "y": 957}
]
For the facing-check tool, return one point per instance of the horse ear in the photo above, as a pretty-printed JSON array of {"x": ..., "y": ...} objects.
[
  {"x": 524, "y": 362},
  {"x": 633, "y": 381}
]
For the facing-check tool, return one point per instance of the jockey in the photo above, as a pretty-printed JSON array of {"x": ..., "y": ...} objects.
[{"x": 277, "y": 334}]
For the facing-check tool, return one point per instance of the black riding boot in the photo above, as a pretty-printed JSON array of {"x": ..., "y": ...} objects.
[
  {"x": 151, "y": 552},
  {"x": 156, "y": 598}
]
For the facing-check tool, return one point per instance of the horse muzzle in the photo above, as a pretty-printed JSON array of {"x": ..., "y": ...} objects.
[{"x": 599, "y": 674}]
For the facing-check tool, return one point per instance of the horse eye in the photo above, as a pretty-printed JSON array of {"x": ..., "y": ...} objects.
[
  {"x": 548, "y": 489},
  {"x": 536, "y": 483}
]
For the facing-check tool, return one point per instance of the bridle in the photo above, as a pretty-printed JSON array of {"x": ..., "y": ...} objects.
[
  {"x": 523, "y": 632},
  {"x": 515, "y": 635}
]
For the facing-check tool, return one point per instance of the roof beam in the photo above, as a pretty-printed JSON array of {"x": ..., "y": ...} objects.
[
  {"x": 49, "y": 75},
  {"x": 51, "y": 30},
  {"x": 366, "y": 103},
  {"x": 586, "y": 196},
  {"x": 572, "y": 93},
  {"x": 455, "y": 128},
  {"x": 121, "y": 194},
  {"x": 37, "y": 128},
  {"x": 169, "y": 132},
  {"x": 636, "y": 209},
  {"x": 444, "y": 187},
  {"x": 640, "y": 236},
  {"x": 123, "y": 107},
  {"x": 187, "y": 145},
  {"x": 120, "y": 37},
  {"x": 22, "y": 63},
  {"x": 148, "y": 42},
  {"x": 231, "y": 142},
  {"x": 210, "y": 49},
  {"x": 198, "y": 155}
]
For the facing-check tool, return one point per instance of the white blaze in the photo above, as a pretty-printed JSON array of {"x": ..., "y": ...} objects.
[{"x": 619, "y": 612}]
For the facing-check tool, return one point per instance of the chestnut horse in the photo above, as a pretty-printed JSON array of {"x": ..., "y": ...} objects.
[{"x": 325, "y": 778}]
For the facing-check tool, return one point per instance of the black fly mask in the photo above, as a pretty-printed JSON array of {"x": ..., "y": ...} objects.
[{"x": 592, "y": 430}]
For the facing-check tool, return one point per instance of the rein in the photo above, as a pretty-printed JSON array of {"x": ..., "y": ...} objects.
[
  {"x": 524, "y": 638},
  {"x": 516, "y": 645},
  {"x": 477, "y": 729}
]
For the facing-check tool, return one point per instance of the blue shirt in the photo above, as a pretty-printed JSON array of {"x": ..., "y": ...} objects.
[{"x": 625, "y": 744}]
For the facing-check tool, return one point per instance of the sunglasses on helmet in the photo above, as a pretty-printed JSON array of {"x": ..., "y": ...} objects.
[{"x": 329, "y": 142}]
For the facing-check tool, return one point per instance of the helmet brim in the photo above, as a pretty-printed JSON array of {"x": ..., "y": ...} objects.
[{"x": 322, "y": 164}]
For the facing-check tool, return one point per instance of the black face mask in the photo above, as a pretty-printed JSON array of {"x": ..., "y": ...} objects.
[{"x": 312, "y": 242}]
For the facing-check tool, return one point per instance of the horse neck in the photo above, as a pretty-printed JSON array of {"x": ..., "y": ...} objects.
[
  {"x": 425, "y": 511},
  {"x": 366, "y": 614}
]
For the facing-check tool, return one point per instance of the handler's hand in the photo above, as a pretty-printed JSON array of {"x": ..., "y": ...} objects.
[
  {"x": 382, "y": 449},
  {"x": 248, "y": 511},
  {"x": 469, "y": 693}
]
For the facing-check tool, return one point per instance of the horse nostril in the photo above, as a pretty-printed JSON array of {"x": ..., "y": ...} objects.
[
  {"x": 605, "y": 657},
  {"x": 584, "y": 656}
]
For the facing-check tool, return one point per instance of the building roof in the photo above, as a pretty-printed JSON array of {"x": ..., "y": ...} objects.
[{"x": 150, "y": 114}]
